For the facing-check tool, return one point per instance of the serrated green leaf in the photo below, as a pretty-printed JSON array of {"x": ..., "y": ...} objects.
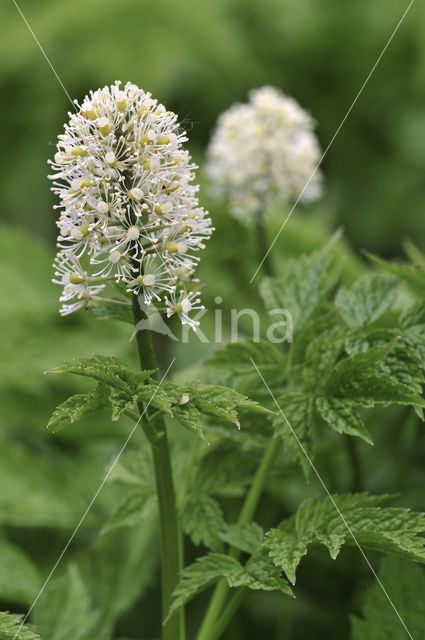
[
  {"x": 189, "y": 401},
  {"x": 244, "y": 536},
  {"x": 286, "y": 551},
  {"x": 353, "y": 379},
  {"x": 65, "y": 609},
  {"x": 413, "y": 325},
  {"x": 321, "y": 355},
  {"x": 382, "y": 390},
  {"x": 401, "y": 364},
  {"x": 403, "y": 582},
  {"x": 367, "y": 300},
  {"x": 107, "y": 369},
  {"x": 201, "y": 574},
  {"x": 322, "y": 320},
  {"x": 307, "y": 282},
  {"x": 414, "y": 276},
  {"x": 10, "y": 628},
  {"x": 297, "y": 408},
  {"x": 385, "y": 529},
  {"x": 260, "y": 574},
  {"x": 154, "y": 394},
  {"x": 311, "y": 514},
  {"x": 221, "y": 402},
  {"x": 343, "y": 417},
  {"x": 202, "y": 521},
  {"x": 187, "y": 414},
  {"x": 121, "y": 401},
  {"x": 355, "y": 369},
  {"x": 79, "y": 406}
]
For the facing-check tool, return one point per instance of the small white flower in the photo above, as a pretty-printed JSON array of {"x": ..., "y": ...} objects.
[
  {"x": 182, "y": 304},
  {"x": 126, "y": 200},
  {"x": 263, "y": 152}
]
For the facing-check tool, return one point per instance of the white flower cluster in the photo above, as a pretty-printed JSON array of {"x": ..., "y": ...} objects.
[
  {"x": 262, "y": 152},
  {"x": 128, "y": 210}
]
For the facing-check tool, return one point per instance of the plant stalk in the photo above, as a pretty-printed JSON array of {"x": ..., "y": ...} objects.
[
  {"x": 355, "y": 463},
  {"x": 228, "y": 613},
  {"x": 262, "y": 244},
  {"x": 156, "y": 433},
  {"x": 208, "y": 630}
]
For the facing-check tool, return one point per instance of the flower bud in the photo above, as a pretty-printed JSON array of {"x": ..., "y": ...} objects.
[
  {"x": 135, "y": 194},
  {"x": 104, "y": 126},
  {"x": 133, "y": 233}
]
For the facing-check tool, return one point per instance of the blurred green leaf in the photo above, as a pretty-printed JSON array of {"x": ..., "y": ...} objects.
[
  {"x": 119, "y": 567},
  {"x": 20, "y": 580},
  {"x": 244, "y": 536},
  {"x": 414, "y": 276},
  {"x": 297, "y": 408},
  {"x": 321, "y": 355},
  {"x": 233, "y": 363},
  {"x": 403, "y": 582},
  {"x": 368, "y": 298},
  {"x": 35, "y": 491},
  {"x": 307, "y": 282},
  {"x": 134, "y": 508},
  {"x": 202, "y": 521},
  {"x": 120, "y": 312},
  {"x": 65, "y": 609}
]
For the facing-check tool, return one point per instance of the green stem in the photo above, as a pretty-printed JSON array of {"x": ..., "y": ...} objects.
[
  {"x": 171, "y": 554},
  {"x": 262, "y": 244},
  {"x": 355, "y": 462},
  {"x": 228, "y": 613},
  {"x": 122, "y": 303},
  {"x": 209, "y": 623}
]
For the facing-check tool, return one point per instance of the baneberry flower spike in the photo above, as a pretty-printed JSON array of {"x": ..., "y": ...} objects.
[
  {"x": 128, "y": 209},
  {"x": 263, "y": 152}
]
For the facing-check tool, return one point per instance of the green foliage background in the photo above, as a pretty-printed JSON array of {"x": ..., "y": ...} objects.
[{"x": 198, "y": 58}]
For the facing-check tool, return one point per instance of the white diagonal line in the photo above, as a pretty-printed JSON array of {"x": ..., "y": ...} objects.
[
  {"x": 334, "y": 137},
  {"x": 44, "y": 54},
  {"x": 111, "y": 468},
  {"x": 333, "y": 501}
]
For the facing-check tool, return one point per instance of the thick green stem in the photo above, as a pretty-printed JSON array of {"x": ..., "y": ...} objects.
[
  {"x": 212, "y": 617},
  {"x": 171, "y": 556},
  {"x": 263, "y": 248}
]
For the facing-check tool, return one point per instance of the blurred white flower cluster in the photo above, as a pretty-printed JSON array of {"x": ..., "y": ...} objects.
[
  {"x": 128, "y": 210},
  {"x": 263, "y": 152}
]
